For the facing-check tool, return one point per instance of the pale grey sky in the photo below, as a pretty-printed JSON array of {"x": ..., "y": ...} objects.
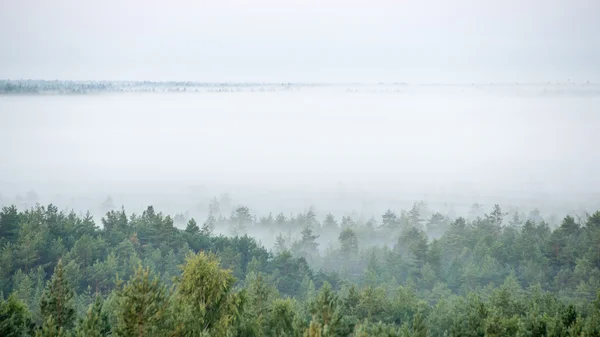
[{"x": 308, "y": 40}]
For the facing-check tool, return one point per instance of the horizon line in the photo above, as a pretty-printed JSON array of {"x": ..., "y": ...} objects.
[{"x": 196, "y": 82}]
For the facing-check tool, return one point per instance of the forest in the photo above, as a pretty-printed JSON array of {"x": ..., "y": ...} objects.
[
  {"x": 410, "y": 273},
  {"x": 62, "y": 87}
]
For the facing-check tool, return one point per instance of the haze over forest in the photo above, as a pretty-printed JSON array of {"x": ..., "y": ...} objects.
[
  {"x": 300, "y": 168},
  {"x": 339, "y": 147}
]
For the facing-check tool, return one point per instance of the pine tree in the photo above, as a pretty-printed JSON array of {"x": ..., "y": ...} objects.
[
  {"x": 239, "y": 220},
  {"x": 419, "y": 329},
  {"x": 414, "y": 215},
  {"x": 330, "y": 223},
  {"x": 9, "y": 223},
  {"x": 192, "y": 227},
  {"x": 280, "y": 244},
  {"x": 30, "y": 243},
  {"x": 214, "y": 207},
  {"x": 142, "y": 306},
  {"x": 515, "y": 221},
  {"x": 349, "y": 242},
  {"x": 57, "y": 300},
  {"x": 282, "y": 314},
  {"x": 95, "y": 322},
  {"x": 15, "y": 318},
  {"x": 347, "y": 222},
  {"x": 209, "y": 225},
  {"x": 315, "y": 329},
  {"x": 389, "y": 220},
  {"x": 7, "y": 256},
  {"x": 325, "y": 308},
  {"x": 204, "y": 291},
  {"x": 50, "y": 329},
  {"x": 280, "y": 220},
  {"x": 496, "y": 216},
  {"x": 307, "y": 246}
]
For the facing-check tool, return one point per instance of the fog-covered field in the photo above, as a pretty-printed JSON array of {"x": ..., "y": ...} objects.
[{"x": 338, "y": 148}]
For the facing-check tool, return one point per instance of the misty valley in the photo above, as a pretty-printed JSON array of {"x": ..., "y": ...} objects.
[
  {"x": 300, "y": 168},
  {"x": 299, "y": 209}
]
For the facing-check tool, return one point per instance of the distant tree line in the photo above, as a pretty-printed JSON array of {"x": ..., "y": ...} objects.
[{"x": 12, "y": 87}]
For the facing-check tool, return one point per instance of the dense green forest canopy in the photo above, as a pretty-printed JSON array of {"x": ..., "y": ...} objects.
[{"x": 404, "y": 274}]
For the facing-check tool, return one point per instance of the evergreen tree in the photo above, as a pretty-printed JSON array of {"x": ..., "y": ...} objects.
[
  {"x": 280, "y": 220},
  {"x": 496, "y": 216},
  {"x": 214, "y": 207},
  {"x": 209, "y": 225},
  {"x": 15, "y": 318},
  {"x": 349, "y": 242},
  {"x": 310, "y": 218},
  {"x": 515, "y": 221},
  {"x": 192, "y": 227},
  {"x": 9, "y": 223},
  {"x": 280, "y": 244},
  {"x": 347, "y": 222},
  {"x": 7, "y": 257},
  {"x": 57, "y": 305},
  {"x": 414, "y": 216},
  {"x": 205, "y": 289},
  {"x": 389, "y": 220},
  {"x": 51, "y": 329},
  {"x": 307, "y": 246},
  {"x": 419, "y": 329},
  {"x": 143, "y": 305},
  {"x": 330, "y": 223},
  {"x": 281, "y": 318},
  {"x": 325, "y": 309},
  {"x": 239, "y": 220},
  {"x": 95, "y": 322},
  {"x": 414, "y": 241}
]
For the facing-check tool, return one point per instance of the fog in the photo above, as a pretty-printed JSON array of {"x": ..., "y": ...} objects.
[
  {"x": 338, "y": 148},
  {"x": 300, "y": 168}
]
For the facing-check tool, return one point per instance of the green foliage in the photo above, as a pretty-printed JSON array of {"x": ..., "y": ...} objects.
[
  {"x": 95, "y": 323},
  {"x": 192, "y": 227},
  {"x": 143, "y": 306},
  {"x": 282, "y": 318},
  {"x": 15, "y": 318},
  {"x": 50, "y": 329},
  {"x": 475, "y": 277},
  {"x": 325, "y": 308},
  {"x": 9, "y": 223},
  {"x": 419, "y": 329},
  {"x": 307, "y": 246},
  {"x": 57, "y": 300},
  {"x": 349, "y": 242},
  {"x": 207, "y": 290}
]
